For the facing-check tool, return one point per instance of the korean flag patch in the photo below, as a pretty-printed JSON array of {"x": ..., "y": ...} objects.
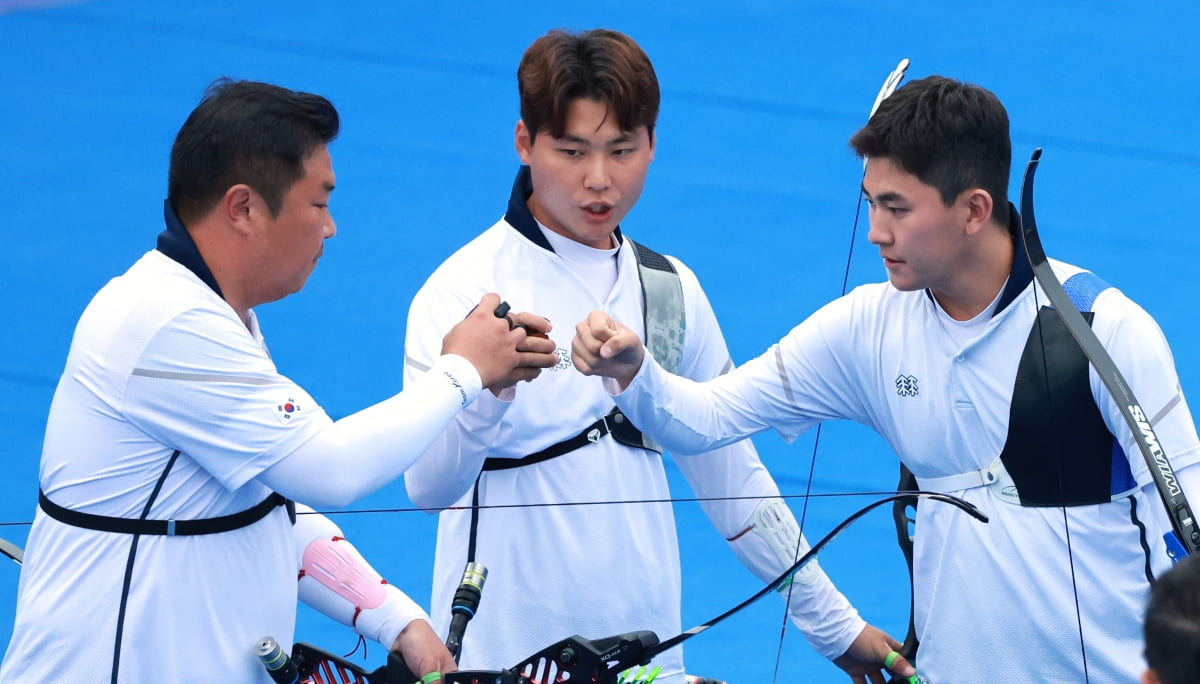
[{"x": 285, "y": 411}]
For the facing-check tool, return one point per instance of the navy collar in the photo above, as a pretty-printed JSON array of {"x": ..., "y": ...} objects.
[
  {"x": 518, "y": 215},
  {"x": 1021, "y": 274},
  {"x": 177, "y": 243}
]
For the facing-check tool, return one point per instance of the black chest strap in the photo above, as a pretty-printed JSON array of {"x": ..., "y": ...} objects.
[
  {"x": 665, "y": 323},
  {"x": 168, "y": 528},
  {"x": 613, "y": 423},
  {"x": 664, "y": 319},
  {"x": 135, "y": 528}
]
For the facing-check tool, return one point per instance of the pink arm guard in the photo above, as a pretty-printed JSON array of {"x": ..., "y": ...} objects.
[
  {"x": 336, "y": 580},
  {"x": 332, "y": 561}
]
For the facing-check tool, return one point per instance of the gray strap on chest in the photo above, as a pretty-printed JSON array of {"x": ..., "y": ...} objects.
[
  {"x": 662, "y": 304},
  {"x": 663, "y": 313}
]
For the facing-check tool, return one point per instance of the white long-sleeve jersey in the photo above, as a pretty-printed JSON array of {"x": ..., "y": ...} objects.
[
  {"x": 1000, "y": 597},
  {"x": 584, "y": 543}
]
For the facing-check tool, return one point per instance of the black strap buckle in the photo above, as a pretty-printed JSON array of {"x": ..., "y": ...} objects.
[{"x": 614, "y": 423}]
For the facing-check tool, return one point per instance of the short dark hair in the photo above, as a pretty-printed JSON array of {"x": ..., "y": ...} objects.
[
  {"x": 245, "y": 132},
  {"x": 950, "y": 135},
  {"x": 602, "y": 65},
  {"x": 1172, "y": 625}
]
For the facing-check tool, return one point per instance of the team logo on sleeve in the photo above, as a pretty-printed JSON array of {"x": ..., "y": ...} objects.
[
  {"x": 906, "y": 385},
  {"x": 285, "y": 411}
]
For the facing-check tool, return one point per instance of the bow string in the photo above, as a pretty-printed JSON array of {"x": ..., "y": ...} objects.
[
  {"x": 1184, "y": 537},
  {"x": 885, "y": 91}
]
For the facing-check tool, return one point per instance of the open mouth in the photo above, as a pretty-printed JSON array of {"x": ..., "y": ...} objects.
[{"x": 597, "y": 210}]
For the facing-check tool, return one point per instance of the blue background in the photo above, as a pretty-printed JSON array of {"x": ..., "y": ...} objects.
[{"x": 753, "y": 186}]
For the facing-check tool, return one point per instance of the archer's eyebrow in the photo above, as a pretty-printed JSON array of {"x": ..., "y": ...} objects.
[
  {"x": 622, "y": 139},
  {"x": 890, "y": 196}
]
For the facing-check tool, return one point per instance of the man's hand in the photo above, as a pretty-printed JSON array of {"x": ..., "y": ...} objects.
[
  {"x": 536, "y": 351},
  {"x": 864, "y": 660},
  {"x": 603, "y": 346},
  {"x": 423, "y": 651},
  {"x": 501, "y": 348}
]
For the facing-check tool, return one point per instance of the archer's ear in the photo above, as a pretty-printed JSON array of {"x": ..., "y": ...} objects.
[
  {"x": 238, "y": 208},
  {"x": 978, "y": 203},
  {"x": 523, "y": 142}
]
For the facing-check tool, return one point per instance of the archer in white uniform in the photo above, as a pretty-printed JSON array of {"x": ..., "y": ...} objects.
[
  {"x": 572, "y": 544},
  {"x": 160, "y": 551},
  {"x": 933, "y": 361}
]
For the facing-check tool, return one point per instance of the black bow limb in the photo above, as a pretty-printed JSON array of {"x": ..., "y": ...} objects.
[{"x": 1186, "y": 537}]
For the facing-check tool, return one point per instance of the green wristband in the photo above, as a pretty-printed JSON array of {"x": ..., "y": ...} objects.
[{"x": 431, "y": 677}]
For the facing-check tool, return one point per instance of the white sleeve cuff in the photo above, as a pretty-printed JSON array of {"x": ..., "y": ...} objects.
[
  {"x": 614, "y": 388},
  {"x": 460, "y": 374},
  {"x": 384, "y": 624},
  {"x": 771, "y": 543},
  {"x": 827, "y": 620}
]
